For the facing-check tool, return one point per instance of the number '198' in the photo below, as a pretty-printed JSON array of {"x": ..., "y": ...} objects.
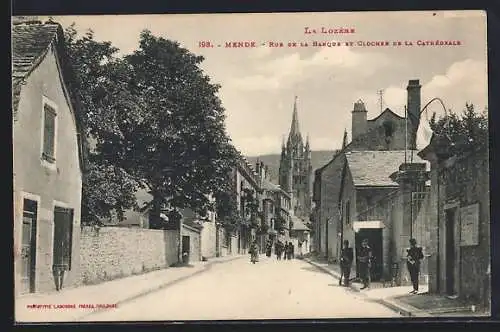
[{"x": 204, "y": 44}]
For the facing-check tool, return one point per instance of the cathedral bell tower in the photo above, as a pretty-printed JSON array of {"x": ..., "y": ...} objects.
[{"x": 295, "y": 168}]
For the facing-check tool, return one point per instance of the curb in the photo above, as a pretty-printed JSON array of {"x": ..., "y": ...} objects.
[
  {"x": 163, "y": 286},
  {"x": 333, "y": 273},
  {"x": 406, "y": 311}
]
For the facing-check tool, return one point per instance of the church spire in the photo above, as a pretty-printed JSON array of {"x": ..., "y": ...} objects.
[
  {"x": 344, "y": 140},
  {"x": 294, "y": 129},
  {"x": 307, "y": 142}
]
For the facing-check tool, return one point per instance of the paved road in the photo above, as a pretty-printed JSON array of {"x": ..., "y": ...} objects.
[{"x": 238, "y": 289}]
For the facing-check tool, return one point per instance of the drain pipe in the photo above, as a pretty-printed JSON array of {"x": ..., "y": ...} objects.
[{"x": 438, "y": 257}]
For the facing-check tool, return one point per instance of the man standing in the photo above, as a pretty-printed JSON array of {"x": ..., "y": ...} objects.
[
  {"x": 414, "y": 255},
  {"x": 346, "y": 258},
  {"x": 364, "y": 259}
]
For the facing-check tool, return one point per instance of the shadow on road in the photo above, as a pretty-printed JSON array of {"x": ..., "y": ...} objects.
[{"x": 312, "y": 269}]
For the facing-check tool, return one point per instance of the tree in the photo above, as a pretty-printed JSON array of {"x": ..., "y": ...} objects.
[
  {"x": 176, "y": 143},
  {"x": 100, "y": 81},
  {"x": 227, "y": 207},
  {"x": 466, "y": 133}
]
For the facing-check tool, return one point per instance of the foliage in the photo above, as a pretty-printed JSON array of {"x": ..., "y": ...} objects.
[
  {"x": 155, "y": 119},
  {"x": 227, "y": 207},
  {"x": 466, "y": 133},
  {"x": 99, "y": 81}
]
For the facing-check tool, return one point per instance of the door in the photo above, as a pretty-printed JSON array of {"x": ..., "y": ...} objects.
[
  {"x": 63, "y": 235},
  {"x": 28, "y": 246},
  {"x": 450, "y": 252},
  {"x": 185, "y": 244},
  {"x": 374, "y": 237}
]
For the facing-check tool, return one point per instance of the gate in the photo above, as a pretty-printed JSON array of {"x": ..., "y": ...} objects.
[{"x": 420, "y": 228}]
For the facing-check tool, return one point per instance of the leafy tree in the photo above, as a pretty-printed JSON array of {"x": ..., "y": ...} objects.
[
  {"x": 227, "y": 208},
  {"x": 466, "y": 133},
  {"x": 176, "y": 143},
  {"x": 100, "y": 82}
]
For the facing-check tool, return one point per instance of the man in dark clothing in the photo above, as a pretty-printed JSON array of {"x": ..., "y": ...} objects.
[
  {"x": 414, "y": 255},
  {"x": 365, "y": 259},
  {"x": 277, "y": 250},
  {"x": 346, "y": 258}
]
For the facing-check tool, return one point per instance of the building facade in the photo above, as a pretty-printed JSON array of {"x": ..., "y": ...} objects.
[
  {"x": 359, "y": 172},
  {"x": 48, "y": 160},
  {"x": 295, "y": 171},
  {"x": 460, "y": 216}
]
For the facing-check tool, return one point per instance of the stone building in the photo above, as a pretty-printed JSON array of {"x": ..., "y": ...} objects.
[
  {"x": 361, "y": 170},
  {"x": 460, "y": 217},
  {"x": 295, "y": 171},
  {"x": 48, "y": 159}
]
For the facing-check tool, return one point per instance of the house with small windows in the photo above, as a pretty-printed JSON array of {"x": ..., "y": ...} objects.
[
  {"x": 47, "y": 159},
  {"x": 365, "y": 192}
]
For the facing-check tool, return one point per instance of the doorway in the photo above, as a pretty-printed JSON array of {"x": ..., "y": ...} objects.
[
  {"x": 374, "y": 237},
  {"x": 185, "y": 244},
  {"x": 28, "y": 246},
  {"x": 450, "y": 252}
]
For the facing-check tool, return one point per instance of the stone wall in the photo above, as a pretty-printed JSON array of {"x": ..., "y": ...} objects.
[{"x": 113, "y": 252}]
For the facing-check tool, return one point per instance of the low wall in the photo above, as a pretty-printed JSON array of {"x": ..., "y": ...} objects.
[{"x": 113, "y": 252}]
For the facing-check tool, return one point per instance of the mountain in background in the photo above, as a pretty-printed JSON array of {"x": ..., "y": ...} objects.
[{"x": 318, "y": 159}]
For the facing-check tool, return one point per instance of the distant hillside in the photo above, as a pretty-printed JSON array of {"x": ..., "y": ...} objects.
[{"x": 318, "y": 159}]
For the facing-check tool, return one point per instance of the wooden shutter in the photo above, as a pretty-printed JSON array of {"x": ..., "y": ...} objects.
[
  {"x": 63, "y": 237},
  {"x": 49, "y": 133}
]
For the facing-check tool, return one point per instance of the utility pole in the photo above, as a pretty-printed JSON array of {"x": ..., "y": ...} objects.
[{"x": 381, "y": 99}]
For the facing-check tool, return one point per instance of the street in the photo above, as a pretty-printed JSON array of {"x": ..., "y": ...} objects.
[{"x": 269, "y": 289}]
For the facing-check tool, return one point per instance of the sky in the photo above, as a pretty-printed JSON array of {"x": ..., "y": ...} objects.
[{"x": 259, "y": 84}]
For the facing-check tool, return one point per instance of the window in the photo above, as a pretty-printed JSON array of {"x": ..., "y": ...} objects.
[
  {"x": 63, "y": 237},
  {"x": 348, "y": 213},
  {"x": 49, "y": 133}
]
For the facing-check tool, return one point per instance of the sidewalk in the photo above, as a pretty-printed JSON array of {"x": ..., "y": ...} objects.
[
  {"x": 83, "y": 301},
  {"x": 399, "y": 299}
]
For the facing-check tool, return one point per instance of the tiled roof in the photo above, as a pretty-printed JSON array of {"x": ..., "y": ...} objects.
[
  {"x": 30, "y": 43},
  {"x": 373, "y": 168}
]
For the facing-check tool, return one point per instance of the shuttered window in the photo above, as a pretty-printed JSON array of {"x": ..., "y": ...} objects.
[{"x": 49, "y": 133}]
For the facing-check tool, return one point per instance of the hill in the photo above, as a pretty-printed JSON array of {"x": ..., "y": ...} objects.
[{"x": 318, "y": 159}]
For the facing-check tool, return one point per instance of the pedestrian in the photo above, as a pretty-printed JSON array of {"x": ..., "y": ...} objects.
[
  {"x": 300, "y": 249},
  {"x": 277, "y": 250},
  {"x": 414, "y": 255},
  {"x": 365, "y": 263},
  {"x": 346, "y": 258},
  {"x": 285, "y": 251},
  {"x": 268, "y": 248},
  {"x": 254, "y": 252},
  {"x": 292, "y": 250}
]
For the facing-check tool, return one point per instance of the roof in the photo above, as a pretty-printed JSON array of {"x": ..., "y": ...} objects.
[
  {"x": 31, "y": 41},
  {"x": 267, "y": 185},
  {"x": 373, "y": 168},
  {"x": 298, "y": 224}
]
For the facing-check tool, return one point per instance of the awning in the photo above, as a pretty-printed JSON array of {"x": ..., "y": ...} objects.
[{"x": 374, "y": 224}]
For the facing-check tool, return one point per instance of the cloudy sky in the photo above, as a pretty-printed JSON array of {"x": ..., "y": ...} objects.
[{"x": 259, "y": 84}]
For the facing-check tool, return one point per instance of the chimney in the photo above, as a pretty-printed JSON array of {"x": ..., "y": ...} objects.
[
  {"x": 359, "y": 121},
  {"x": 413, "y": 104}
]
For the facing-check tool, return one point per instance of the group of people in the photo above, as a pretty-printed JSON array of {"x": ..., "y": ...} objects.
[
  {"x": 365, "y": 260},
  {"x": 285, "y": 250}
]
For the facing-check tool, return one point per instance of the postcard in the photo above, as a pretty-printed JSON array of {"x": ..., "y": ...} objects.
[{"x": 253, "y": 166}]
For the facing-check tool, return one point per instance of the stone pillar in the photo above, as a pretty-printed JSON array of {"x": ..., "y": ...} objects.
[{"x": 409, "y": 177}]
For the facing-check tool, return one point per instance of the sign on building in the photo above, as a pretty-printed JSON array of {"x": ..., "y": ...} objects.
[{"x": 469, "y": 221}]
